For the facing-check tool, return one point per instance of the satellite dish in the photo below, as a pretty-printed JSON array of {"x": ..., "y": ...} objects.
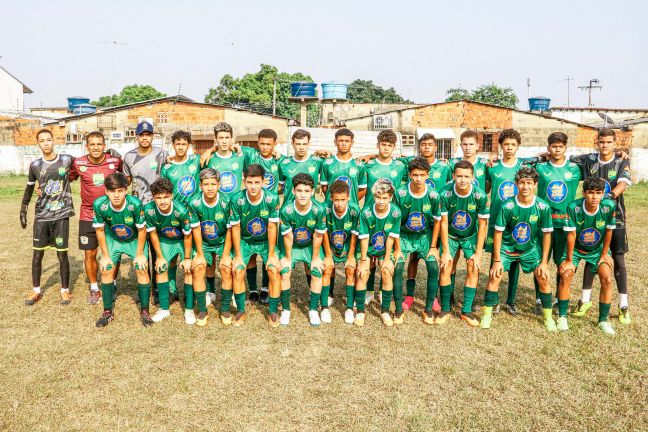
[{"x": 606, "y": 118}]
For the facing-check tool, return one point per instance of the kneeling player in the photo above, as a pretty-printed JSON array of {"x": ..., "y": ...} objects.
[
  {"x": 342, "y": 221},
  {"x": 589, "y": 224},
  {"x": 123, "y": 215},
  {"x": 522, "y": 234},
  {"x": 303, "y": 225},
  {"x": 378, "y": 234}
]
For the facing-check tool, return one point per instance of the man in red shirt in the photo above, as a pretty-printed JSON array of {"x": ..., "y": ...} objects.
[{"x": 92, "y": 169}]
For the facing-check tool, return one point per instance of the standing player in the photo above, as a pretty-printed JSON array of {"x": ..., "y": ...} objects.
[
  {"x": 523, "y": 234},
  {"x": 343, "y": 167},
  {"x": 419, "y": 231},
  {"x": 300, "y": 162},
  {"x": 52, "y": 214},
  {"x": 589, "y": 228},
  {"x": 462, "y": 206},
  {"x": 121, "y": 229}
]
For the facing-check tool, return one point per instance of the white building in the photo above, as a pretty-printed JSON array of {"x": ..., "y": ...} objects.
[{"x": 11, "y": 92}]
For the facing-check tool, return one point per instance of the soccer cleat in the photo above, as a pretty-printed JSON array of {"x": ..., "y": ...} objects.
[
  {"x": 94, "y": 297},
  {"x": 211, "y": 298},
  {"x": 387, "y": 319},
  {"x": 66, "y": 298},
  {"x": 511, "y": 309},
  {"x": 369, "y": 298},
  {"x": 284, "y": 319},
  {"x": 442, "y": 318},
  {"x": 496, "y": 309},
  {"x": 254, "y": 297},
  {"x": 190, "y": 316},
  {"x": 349, "y": 316},
  {"x": 202, "y": 319},
  {"x": 581, "y": 309},
  {"x": 239, "y": 319},
  {"x": 145, "y": 317},
  {"x": 624, "y": 316},
  {"x": 606, "y": 327},
  {"x": 105, "y": 318},
  {"x": 550, "y": 324},
  {"x": 561, "y": 324},
  {"x": 314, "y": 318},
  {"x": 263, "y": 299},
  {"x": 428, "y": 317},
  {"x": 226, "y": 318},
  {"x": 325, "y": 316},
  {"x": 359, "y": 319},
  {"x": 408, "y": 302},
  {"x": 398, "y": 319},
  {"x": 470, "y": 319},
  {"x": 436, "y": 306},
  {"x": 486, "y": 322},
  {"x": 161, "y": 314},
  {"x": 33, "y": 298},
  {"x": 273, "y": 320},
  {"x": 537, "y": 309}
]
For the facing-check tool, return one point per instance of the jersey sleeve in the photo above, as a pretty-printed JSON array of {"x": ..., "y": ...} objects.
[
  {"x": 250, "y": 155},
  {"x": 320, "y": 225},
  {"x": 285, "y": 222},
  {"x": 570, "y": 220},
  {"x": 610, "y": 220},
  {"x": 31, "y": 176},
  {"x": 234, "y": 212},
  {"x": 140, "y": 220},
  {"x": 193, "y": 218},
  {"x": 483, "y": 208},
  {"x": 396, "y": 223},
  {"x": 436, "y": 206},
  {"x": 274, "y": 211},
  {"x": 443, "y": 205},
  {"x": 324, "y": 173},
  {"x": 502, "y": 216},
  {"x": 363, "y": 177},
  {"x": 546, "y": 223},
  {"x": 74, "y": 172},
  {"x": 126, "y": 167},
  {"x": 364, "y": 226},
  {"x": 362, "y": 180},
  {"x": 624, "y": 172},
  {"x": 282, "y": 176},
  {"x": 149, "y": 219},
  {"x": 98, "y": 220},
  {"x": 355, "y": 221},
  {"x": 187, "y": 222}
]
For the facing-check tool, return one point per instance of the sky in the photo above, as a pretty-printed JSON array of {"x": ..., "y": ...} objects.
[{"x": 421, "y": 48}]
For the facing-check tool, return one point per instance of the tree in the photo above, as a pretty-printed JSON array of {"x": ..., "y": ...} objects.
[
  {"x": 129, "y": 94},
  {"x": 363, "y": 91},
  {"x": 488, "y": 93}
]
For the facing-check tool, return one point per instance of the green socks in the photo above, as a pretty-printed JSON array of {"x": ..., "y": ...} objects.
[
  {"x": 163, "y": 295},
  {"x": 411, "y": 287},
  {"x": 349, "y": 296},
  {"x": 285, "y": 300},
  {"x": 398, "y": 286},
  {"x": 273, "y": 305},
  {"x": 386, "y": 300},
  {"x": 446, "y": 292},
  {"x": 107, "y": 295},
  {"x": 240, "y": 301},
  {"x": 604, "y": 311},
  {"x": 513, "y": 277},
  {"x": 563, "y": 306},
  {"x": 251, "y": 276},
  {"x": 173, "y": 271},
  {"x": 201, "y": 299},
  {"x": 545, "y": 298},
  {"x": 226, "y": 300},
  {"x": 144, "y": 294},
  {"x": 360, "y": 297},
  {"x": 325, "y": 295},
  {"x": 189, "y": 296},
  {"x": 432, "y": 283},
  {"x": 491, "y": 298},
  {"x": 210, "y": 285},
  {"x": 468, "y": 298},
  {"x": 314, "y": 300}
]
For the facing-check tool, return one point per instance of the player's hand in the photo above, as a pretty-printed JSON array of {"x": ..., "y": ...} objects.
[
  {"x": 328, "y": 261},
  {"x": 497, "y": 270},
  {"x": 475, "y": 261},
  {"x": 363, "y": 268},
  {"x": 388, "y": 265},
  {"x": 140, "y": 262},
  {"x": 446, "y": 259},
  {"x": 543, "y": 156},
  {"x": 198, "y": 260},
  {"x": 39, "y": 191},
  {"x": 235, "y": 148},
  {"x": 237, "y": 263},
  {"x": 567, "y": 265},
  {"x": 186, "y": 265},
  {"x": 105, "y": 264},
  {"x": 273, "y": 261},
  {"x": 606, "y": 259},
  {"x": 23, "y": 216},
  {"x": 492, "y": 160},
  {"x": 543, "y": 271},
  {"x": 323, "y": 154},
  {"x": 365, "y": 158},
  {"x": 285, "y": 263},
  {"x": 434, "y": 252},
  {"x": 622, "y": 154},
  {"x": 169, "y": 160},
  {"x": 398, "y": 256},
  {"x": 318, "y": 264},
  {"x": 205, "y": 156},
  {"x": 351, "y": 262},
  {"x": 226, "y": 261},
  {"x": 113, "y": 153},
  {"x": 161, "y": 265}
]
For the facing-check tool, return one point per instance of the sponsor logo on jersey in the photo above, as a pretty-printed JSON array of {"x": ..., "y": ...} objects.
[
  {"x": 302, "y": 235},
  {"x": 186, "y": 185},
  {"x": 378, "y": 241},
  {"x": 98, "y": 179},
  {"x": 53, "y": 187},
  {"x": 256, "y": 227},
  {"x": 416, "y": 222},
  {"x": 508, "y": 189},
  {"x": 209, "y": 230},
  {"x": 83, "y": 168},
  {"x": 338, "y": 238},
  {"x": 589, "y": 237},
  {"x": 522, "y": 233},
  {"x": 228, "y": 182},
  {"x": 268, "y": 180},
  {"x": 461, "y": 220},
  {"x": 557, "y": 191},
  {"x": 472, "y": 207},
  {"x": 122, "y": 232},
  {"x": 171, "y": 232}
]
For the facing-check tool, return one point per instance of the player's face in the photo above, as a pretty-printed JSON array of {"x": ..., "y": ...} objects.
[
  {"x": 210, "y": 188},
  {"x": 45, "y": 143},
  {"x": 266, "y": 147},
  {"x": 418, "y": 177},
  {"x": 300, "y": 146},
  {"x": 605, "y": 145},
  {"x": 163, "y": 201},
  {"x": 382, "y": 201},
  {"x": 469, "y": 146},
  {"x": 223, "y": 141},
  {"x": 385, "y": 149},
  {"x": 510, "y": 147},
  {"x": 340, "y": 202},
  {"x": 557, "y": 151},
  {"x": 96, "y": 147},
  {"x": 463, "y": 178},
  {"x": 254, "y": 186},
  {"x": 181, "y": 147},
  {"x": 303, "y": 194},
  {"x": 343, "y": 144},
  {"x": 526, "y": 187},
  {"x": 593, "y": 197},
  {"x": 145, "y": 139},
  {"x": 427, "y": 148},
  {"x": 117, "y": 197}
]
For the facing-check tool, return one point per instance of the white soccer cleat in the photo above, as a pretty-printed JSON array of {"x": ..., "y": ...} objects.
[
  {"x": 314, "y": 318},
  {"x": 325, "y": 316},
  {"x": 160, "y": 315},
  {"x": 349, "y": 316},
  {"x": 190, "y": 316},
  {"x": 211, "y": 298},
  {"x": 359, "y": 319},
  {"x": 369, "y": 298},
  {"x": 284, "y": 319}
]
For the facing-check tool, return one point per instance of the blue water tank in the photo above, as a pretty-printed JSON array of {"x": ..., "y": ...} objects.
[
  {"x": 75, "y": 101},
  {"x": 539, "y": 103},
  {"x": 333, "y": 90},
  {"x": 84, "y": 108},
  {"x": 303, "y": 89}
]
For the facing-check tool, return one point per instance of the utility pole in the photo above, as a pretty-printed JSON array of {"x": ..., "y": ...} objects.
[
  {"x": 112, "y": 72},
  {"x": 274, "y": 96},
  {"x": 528, "y": 88},
  {"x": 593, "y": 84},
  {"x": 568, "y": 79}
]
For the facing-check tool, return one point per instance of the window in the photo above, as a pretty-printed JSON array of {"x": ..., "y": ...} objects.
[
  {"x": 487, "y": 142},
  {"x": 408, "y": 140},
  {"x": 129, "y": 134},
  {"x": 444, "y": 148},
  {"x": 74, "y": 137},
  {"x": 162, "y": 117}
]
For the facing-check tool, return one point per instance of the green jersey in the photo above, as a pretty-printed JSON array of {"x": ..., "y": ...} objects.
[
  {"x": 271, "y": 177},
  {"x": 463, "y": 211},
  {"x": 417, "y": 212},
  {"x": 350, "y": 171},
  {"x": 231, "y": 168},
  {"x": 290, "y": 167},
  {"x": 440, "y": 172},
  {"x": 480, "y": 170},
  {"x": 523, "y": 226},
  {"x": 303, "y": 225},
  {"x": 374, "y": 170},
  {"x": 254, "y": 217},
  {"x": 170, "y": 227},
  {"x": 590, "y": 228},
  {"x": 377, "y": 229},
  {"x": 502, "y": 182},
  {"x": 213, "y": 219},
  {"x": 341, "y": 229},
  {"x": 122, "y": 225},
  {"x": 185, "y": 177},
  {"x": 557, "y": 185}
]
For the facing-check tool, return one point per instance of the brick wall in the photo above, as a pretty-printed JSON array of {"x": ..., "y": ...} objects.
[{"x": 462, "y": 115}]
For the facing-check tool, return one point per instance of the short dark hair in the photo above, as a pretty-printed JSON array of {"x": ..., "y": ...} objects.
[
  {"x": 510, "y": 133},
  {"x": 303, "y": 179},
  {"x": 418, "y": 163},
  {"x": 267, "y": 133},
  {"x": 526, "y": 172},
  {"x": 95, "y": 134},
  {"x": 180, "y": 134},
  {"x": 254, "y": 170},
  {"x": 605, "y": 132},
  {"x": 223, "y": 127},
  {"x": 115, "y": 180},
  {"x": 557, "y": 137},
  {"x": 209, "y": 173},
  {"x": 339, "y": 186},
  {"x": 469, "y": 134},
  {"x": 464, "y": 164},
  {"x": 427, "y": 137},
  {"x": 387, "y": 135},
  {"x": 594, "y": 183},
  {"x": 299, "y": 134},
  {"x": 161, "y": 185},
  {"x": 343, "y": 132},
  {"x": 44, "y": 131}
]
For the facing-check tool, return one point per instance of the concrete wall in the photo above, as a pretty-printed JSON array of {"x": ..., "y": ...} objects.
[
  {"x": 591, "y": 117},
  {"x": 11, "y": 93},
  {"x": 343, "y": 111}
]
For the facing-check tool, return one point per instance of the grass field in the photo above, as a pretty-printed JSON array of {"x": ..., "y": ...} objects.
[{"x": 62, "y": 373}]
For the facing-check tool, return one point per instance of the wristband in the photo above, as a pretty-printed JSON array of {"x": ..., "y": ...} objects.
[{"x": 497, "y": 260}]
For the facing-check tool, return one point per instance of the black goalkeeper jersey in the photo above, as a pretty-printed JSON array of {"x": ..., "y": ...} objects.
[{"x": 53, "y": 179}]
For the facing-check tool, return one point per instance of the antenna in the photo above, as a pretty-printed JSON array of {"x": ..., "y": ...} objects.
[
  {"x": 593, "y": 84},
  {"x": 568, "y": 79},
  {"x": 112, "y": 72},
  {"x": 179, "y": 90},
  {"x": 528, "y": 88}
]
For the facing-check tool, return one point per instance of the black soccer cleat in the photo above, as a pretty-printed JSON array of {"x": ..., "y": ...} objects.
[
  {"x": 264, "y": 297},
  {"x": 106, "y": 317},
  {"x": 145, "y": 317},
  {"x": 254, "y": 297}
]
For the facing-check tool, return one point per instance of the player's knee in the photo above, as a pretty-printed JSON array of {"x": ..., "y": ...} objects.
[
  {"x": 349, "y": 272},
  {"x": 286, "y": 276},
  {"x": 239, "y": 275},
  {"x": 385, "y": 273},
  {"x": 272, "y": 271},
  {"x": 198, "y": 271}
]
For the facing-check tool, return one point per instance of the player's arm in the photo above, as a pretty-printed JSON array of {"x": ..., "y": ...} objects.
[
  {"x": 140, "y": 261},
  {"x": 497, "y": 269},
  {"x": 236, "y": 242},
  {"x": 328, "y": 252},
  {"x": 445, "y": 257},
  {"x": 27, "y": 195},
  {"x": 105, "y": 263},
  {"x": 187, "y": 242},
  {"x": 287, "y": 238},
  {"x": 316, "y": 261},
  {"x": 482, "y": 231},
  {"x": 161, "y": 264},
  {"x": 206, "y": 155}
]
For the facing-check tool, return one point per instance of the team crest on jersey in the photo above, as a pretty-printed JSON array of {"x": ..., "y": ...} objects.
[
  {"x": 59, "y": 241},
  {"x": 522, "y": 233},
  {"x": 402, "y": 192},
  {"x": 209, "y": 230},
  {"x": 103, "y": 207},
  {"x": 338, "y": 238},
  {"x": 268, "y": 180},
  {"x": 348, "y": 225},
  {"x": 53, "y": 187},
  {"x": 388, "y": 226},
  {"x": 302, "y": 235},
  {"x": 61, "y": 171},
  {"x": 605, "y": 209},
  {"x": 589, "y": 237},
  {"x": 507, "y": 189},
  {"x": 426, "y": 207},
  {"x": 557, "y": 191},
  {"x": 241, "y": 201},
  {"x": 395, "y": 214},
  {"x": 436, "y": 175},
  {"x": 612, "y": 174},
  {"x": 345, "y": 179},
  {"x": 228, "y": 182},
  {"x": 600, "y": 224},
  {"x": 192, "y": 168},
  {"x": 235, "y": 165},
  {"x": 568, "y": 175},
  {"x": 378, "y": 241},
  {"x": 472, "y": 207},
  {"x": 461, "y": 220},
  {"x": 98, "y": 179},
  {"x": 150, "y": 212},
  {"x": 128, "y": 219},
  {"x": 310, "y": 223},
  {"x": 122, "y": 232},
  {"x": 83, "y": 168},
  {"x": 187, "y": 186},
  {"x": 533, "y": 218},
  {"x": 175, "y": 222},
  {"x": 256, "y": 227},
  {"x": 111, "y": 166},
  {"x": 195, "y": 202},
  {"x": 479, "y": 172},
  {"x": 264, "y": 213},
  {"x": 353, "y": 171},
  {"x": 416, "y": 222},
  {"x": 171, "y": 232}
]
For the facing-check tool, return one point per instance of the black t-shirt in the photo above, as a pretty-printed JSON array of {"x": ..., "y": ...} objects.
[{"x": 53, "y": 179}]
